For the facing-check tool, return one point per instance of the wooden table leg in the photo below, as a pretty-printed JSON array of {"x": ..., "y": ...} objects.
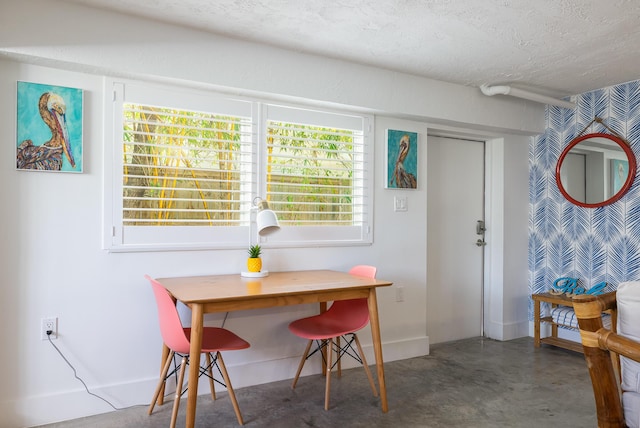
[
  {"x": 194, "y": 362},
  {"x": 377, "y": 346},
  {"x": 536, "y": 323}
]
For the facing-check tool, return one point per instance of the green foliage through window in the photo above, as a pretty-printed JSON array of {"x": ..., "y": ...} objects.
[
  {"x": 312, "y": 174},
  {"x": 183, "y": 167}
]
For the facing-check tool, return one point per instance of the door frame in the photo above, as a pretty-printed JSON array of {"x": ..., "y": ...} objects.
[
  {"x": 505, "y": 280},
  {"x": 481, "y": 303}
]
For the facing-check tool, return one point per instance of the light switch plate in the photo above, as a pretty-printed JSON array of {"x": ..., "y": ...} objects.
[{"x": 400, "y": 203}]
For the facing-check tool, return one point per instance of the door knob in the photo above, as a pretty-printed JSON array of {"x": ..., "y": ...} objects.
[{"x": 481, "y": 243}]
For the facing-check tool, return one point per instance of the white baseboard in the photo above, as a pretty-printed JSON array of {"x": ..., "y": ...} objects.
[
  {"x": 65, "y": 405},
  {"x": 507, "y": 331},
  {"x": 261, "y": 372}
]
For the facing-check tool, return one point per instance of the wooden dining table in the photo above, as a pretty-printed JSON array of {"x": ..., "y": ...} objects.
[{"x": 222, "y": 293}]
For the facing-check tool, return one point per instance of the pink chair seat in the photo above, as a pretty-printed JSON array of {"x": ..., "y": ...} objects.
[
  {"x": 216, "y": 339},
  {"x": 344, "y": 316}
]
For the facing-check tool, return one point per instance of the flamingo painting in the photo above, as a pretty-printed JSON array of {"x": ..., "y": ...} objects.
[
  {"x": 401, "y": 177},
  {"x": 51, "y": 120}
]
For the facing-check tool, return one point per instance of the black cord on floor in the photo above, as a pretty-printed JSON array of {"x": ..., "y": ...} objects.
[{"x": 75, "y": 374}]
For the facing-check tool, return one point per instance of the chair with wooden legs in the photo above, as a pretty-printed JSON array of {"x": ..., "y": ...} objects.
[
  {"x": 176, "y": 338},
  {"x": 341, "y": 320},
  {"x": 613, "y": 358}
]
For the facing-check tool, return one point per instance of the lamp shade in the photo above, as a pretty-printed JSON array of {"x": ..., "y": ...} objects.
[{"x": 267, "y": 222}]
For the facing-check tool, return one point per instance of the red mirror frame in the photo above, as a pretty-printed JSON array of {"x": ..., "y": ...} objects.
[{"x": 625, "y": 187}]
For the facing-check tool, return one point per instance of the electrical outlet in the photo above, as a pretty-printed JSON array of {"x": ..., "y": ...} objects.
[
  {"x": 399, "y": 293},
  {"x": 49, "y": 324}
]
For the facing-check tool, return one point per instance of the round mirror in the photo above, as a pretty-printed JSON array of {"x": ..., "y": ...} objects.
[{"x": 595, "y": 170}]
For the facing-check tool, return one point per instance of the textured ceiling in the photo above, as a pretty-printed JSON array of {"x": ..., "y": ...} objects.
[{"x": 558, "y": 47}]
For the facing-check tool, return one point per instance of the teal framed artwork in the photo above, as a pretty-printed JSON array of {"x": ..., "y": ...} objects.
[
  {"x": 402, "y": 159},
  {"x": 49, "y": 128}
]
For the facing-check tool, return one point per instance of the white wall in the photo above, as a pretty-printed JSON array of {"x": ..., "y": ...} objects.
[{"x": 52, "y": 260}]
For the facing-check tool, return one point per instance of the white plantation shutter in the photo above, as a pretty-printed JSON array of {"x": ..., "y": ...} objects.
[
  {"x": 316, "y": 175},
  {"x": 185, "y": 163},
  {"x": 183, "y": 171},
  {"x": 185, "y": 167}
]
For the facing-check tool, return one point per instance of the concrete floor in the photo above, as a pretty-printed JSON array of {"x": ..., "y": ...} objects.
[{"x": 469, "y": 383}]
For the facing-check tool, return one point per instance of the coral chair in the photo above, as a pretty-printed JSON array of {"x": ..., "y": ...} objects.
[
  {"x": 613, "y": 357},
  {"x": 176, "y": 338},
  {"x": 341, "y": 320}
]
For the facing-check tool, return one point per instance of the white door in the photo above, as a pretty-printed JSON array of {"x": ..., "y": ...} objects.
[{"x": 455, "y": 202}]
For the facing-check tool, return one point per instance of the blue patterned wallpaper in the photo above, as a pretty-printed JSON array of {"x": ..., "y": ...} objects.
[{"x": 591, "y": 244}]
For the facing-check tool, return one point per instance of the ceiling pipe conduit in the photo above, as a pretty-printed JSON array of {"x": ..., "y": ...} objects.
[{"x": 521, "y": 93}]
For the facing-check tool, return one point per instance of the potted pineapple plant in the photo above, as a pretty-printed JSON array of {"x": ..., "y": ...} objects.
[{"x": 254, "y": 262}]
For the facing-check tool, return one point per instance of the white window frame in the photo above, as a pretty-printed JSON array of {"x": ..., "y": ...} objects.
[
  {"x": 117, "y": 238},
  {"x": 322, "y": 235}
]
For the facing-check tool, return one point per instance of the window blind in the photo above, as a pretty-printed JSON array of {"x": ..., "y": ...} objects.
[
  {"x": 315, "y": 174},
  {"x": 184, "y": 167}
]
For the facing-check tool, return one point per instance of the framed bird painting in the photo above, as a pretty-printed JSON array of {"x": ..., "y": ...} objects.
[
  {"x": 402, "y": 159},
  {"x": 49, "y": 128}
]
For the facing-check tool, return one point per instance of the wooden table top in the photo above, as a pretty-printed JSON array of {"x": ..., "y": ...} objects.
[{"x": 234, "y": 287}]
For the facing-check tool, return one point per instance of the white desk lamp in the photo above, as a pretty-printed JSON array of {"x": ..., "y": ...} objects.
[{"x": 267, "y": 221}]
